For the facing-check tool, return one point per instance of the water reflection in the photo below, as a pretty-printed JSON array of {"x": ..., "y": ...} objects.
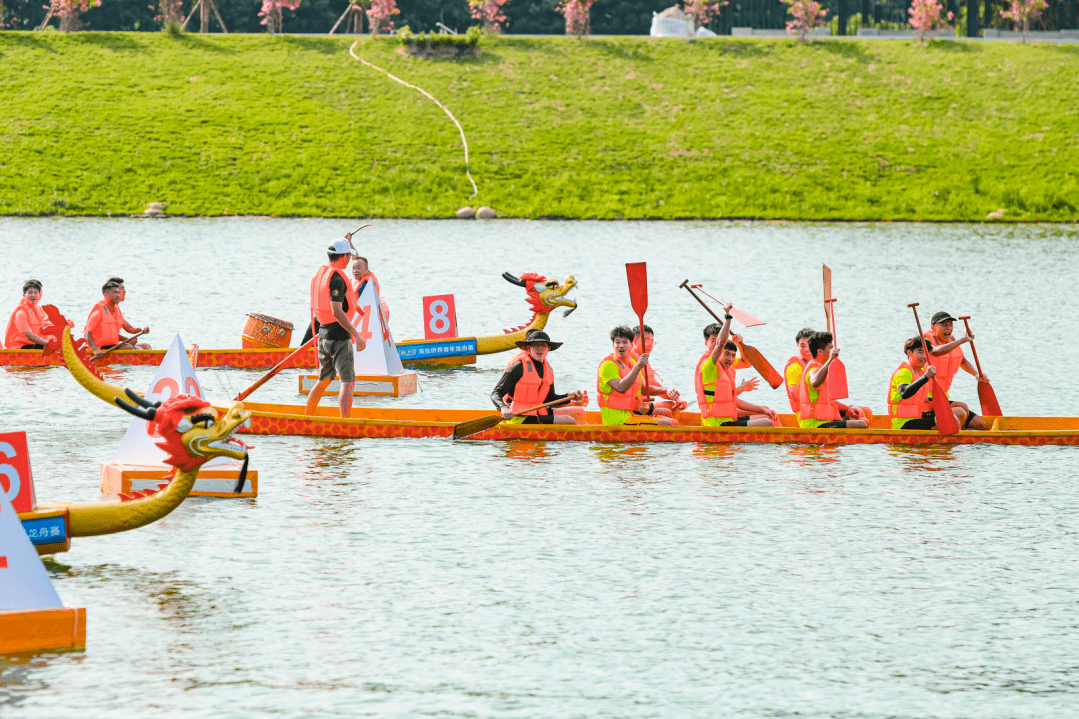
[
  {"x": 930, "y": 458},
  {"x": 808, "y": 455},
  {"x": 620, "y": 457},
  {"x": 525, "y": 450},
  {"x": 713, "y": 451}
]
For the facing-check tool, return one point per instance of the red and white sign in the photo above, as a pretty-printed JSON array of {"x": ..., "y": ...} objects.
[
  {"x": 439, "y": 317},
  {"x": 16, "y": 481}
]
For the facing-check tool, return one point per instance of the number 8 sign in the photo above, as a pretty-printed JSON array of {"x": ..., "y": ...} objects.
[{"x": 439, "y": 317}]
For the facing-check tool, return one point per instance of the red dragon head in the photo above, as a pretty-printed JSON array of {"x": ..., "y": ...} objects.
[{"x": 544, "y": 294}]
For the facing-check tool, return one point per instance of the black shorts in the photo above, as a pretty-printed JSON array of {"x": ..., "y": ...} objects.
[
  {"x": 335, "y": 357},
  {"x": 651, "y": 408},
  {"x": 970, "y": 418},
  {"x": 744, "y": 422},
  {"x": 32, "y": 347},
  {"x": 927, "y": 421},
  {"x": 838, "y": 424},
  {"x": 540, "y": 419}
]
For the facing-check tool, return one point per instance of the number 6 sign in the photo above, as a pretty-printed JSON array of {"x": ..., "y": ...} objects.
[{"x": 439, "y": 317}]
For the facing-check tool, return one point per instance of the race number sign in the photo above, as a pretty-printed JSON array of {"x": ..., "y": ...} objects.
[
  {"x": 439, "y": 317},
  {"x": 16, "y": 482}
]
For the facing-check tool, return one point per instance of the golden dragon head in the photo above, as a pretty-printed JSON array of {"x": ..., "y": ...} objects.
[
  {"x": 544, "y": 294},
  {"x": 191, "y": 431}
]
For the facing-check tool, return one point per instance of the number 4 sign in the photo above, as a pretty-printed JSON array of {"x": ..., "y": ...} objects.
[
  {"x": 16, "y": 482},
  {"x": 439, "y": 317}
]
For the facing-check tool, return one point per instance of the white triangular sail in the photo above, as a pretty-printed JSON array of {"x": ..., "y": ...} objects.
[
  {"x": 380, "y": 356},
  {"x": 24, "y": 584},
  {"x": 174, "y": 376}
]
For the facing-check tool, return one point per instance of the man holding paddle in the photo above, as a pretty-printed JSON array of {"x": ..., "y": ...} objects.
[
  {"x": 329, "y": 305},
  {"x": 946, "y": 354},
  {"x": 817, "y": 409},
  {"x": 713, "y": 379},
  {"x": 909, "y": 405},
  {"x": 103, "y": 326},
  {"x": 529, "y": 382},
  {"x": 619, "y": 381}
]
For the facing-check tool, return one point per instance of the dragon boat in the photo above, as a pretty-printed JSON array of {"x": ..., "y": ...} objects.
[
  {"x": 543, "y": 294},
  {"x": 191, "y": 431},
  {"x": 280, "y": 419}
]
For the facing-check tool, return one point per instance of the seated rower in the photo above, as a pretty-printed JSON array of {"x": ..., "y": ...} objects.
[
  {"x": 909, "y": 405},
  {"x": 714, "y": 379},
  {"x": 649, "y": 404},
  {"x": 361, "y": 273},
  {"x": 102, "y": 331},
  {"x": 946, "y": 354},
  {"x": 816, "y": 408},
  {"x": 792, "y": 374},
  {"x": 618, "y": 383},
  {"x": 574, "y": 408},
  {"x": 26, "y": 327},
  {"x": 529, "y": 382}
]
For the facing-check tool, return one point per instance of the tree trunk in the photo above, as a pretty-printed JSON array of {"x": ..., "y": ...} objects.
[
  {"x": 72, "y": 22},
  {"x": 204, "y": 18}
]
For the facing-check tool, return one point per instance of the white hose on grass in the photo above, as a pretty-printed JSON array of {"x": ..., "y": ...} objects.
[{"x": 475, "y": 190}]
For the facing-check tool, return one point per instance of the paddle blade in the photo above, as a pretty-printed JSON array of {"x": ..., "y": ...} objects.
[
  {"x": 745, "y": 318},
  {"x": 942, "y": 408},
  {"x": 475, "y": 426},
  {"x": 837, "y": 380},
  {"x": 827, "y": 292},
  {"x": 988, "y": 398},
  {"x": 766, "y": 370},
  {"x": 637, "y": 276}
]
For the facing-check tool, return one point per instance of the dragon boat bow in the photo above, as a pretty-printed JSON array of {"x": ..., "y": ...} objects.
[{"x": 278, "y": 419}]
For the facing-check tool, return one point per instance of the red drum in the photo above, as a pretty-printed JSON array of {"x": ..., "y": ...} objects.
[{"x": 262, "y": 331}]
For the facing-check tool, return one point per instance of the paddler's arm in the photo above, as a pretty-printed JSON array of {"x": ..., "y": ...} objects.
[
  {"x": 90, "y": 341},
  {"x": 906, "y": 391},
  {"x": 724, "y": 335},
  {"x": 744, "y": 406},
  {"x": 505, "y": 387},
  {"x": 342, "y": 319},
  {"x": 622, "y": 384},
  {"x": 816, "y": 377},
  {"x": 946, "y": 348}
]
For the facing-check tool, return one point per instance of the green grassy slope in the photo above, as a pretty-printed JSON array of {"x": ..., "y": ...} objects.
[{"x": 94, "y": 123}]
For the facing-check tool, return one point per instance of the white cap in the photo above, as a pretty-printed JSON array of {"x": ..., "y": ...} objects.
[{"x": 341, "y": 247}]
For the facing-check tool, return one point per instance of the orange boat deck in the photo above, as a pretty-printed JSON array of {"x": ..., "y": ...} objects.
[{"x": 392, "y": 422}]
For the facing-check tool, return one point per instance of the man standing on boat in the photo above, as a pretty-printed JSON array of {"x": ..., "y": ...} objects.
[
  {"x": 28, "y": 321},
  {"x": 714, "y": 379},
  {"x": 103, "y": 326},
  {"x": 330, "y": 306},
  {"x": 816, "y": 408},
  {"x": 619, "y": 381},
  {"x": 909, "y": 405},
  {"x": 529, "y": 382},
  {"x": 946, "y": 354}
]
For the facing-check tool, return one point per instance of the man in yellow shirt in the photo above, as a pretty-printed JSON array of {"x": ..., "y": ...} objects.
[
  {"x": 713, "y": 380},
  {"x": 816, "y": 408},
  {"x": 618, "y": 383},
  {"x": 909, "y": 405}
]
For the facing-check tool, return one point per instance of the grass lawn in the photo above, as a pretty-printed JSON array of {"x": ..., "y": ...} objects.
[{"x": 97, "y": 123}]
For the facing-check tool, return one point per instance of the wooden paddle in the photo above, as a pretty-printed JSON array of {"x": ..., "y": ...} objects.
[
  {"x": 837, "y": 373},
  {"x": 986, "y": 395},
  {"x": 637, "y": 277},
  {"x": 942, "y": 408},
  {"x": 755, "y": 358},
  {"x": 742, "y": 316},
  {"x": 475, "y": 426},
  {"x": 280, "y": 366},
  {"x": 120, "y": 344}
]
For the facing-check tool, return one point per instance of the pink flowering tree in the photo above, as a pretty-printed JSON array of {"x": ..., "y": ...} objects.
[
  {"x": 70, "y": 12},
  {"x": 703, "y": 11},
  {"x": 926, "y": 16},
  {"x": 805, "y": 15},
  {"x": 271, "y": 13},
  {"x": 489, "y": 13},
  {"x": 576, "y": 12},
  {"x": 381, "y": 15},
  {"x": 170, "y": 13},
  {"x": 1021, "y": 12}
]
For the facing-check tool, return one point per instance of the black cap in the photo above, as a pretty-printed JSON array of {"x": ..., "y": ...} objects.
[
  {"x": 537, "y": 336},
  {"x": 942, "y": 317}
]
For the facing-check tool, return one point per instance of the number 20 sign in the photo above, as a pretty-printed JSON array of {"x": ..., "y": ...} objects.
[{"x": 439, "y": 317}]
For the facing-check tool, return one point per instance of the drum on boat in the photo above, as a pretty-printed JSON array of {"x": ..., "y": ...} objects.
[{"x": 261, "y": 331}]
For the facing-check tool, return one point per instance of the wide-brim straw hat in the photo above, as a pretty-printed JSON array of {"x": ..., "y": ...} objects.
[{"x": 538, "y": 336}]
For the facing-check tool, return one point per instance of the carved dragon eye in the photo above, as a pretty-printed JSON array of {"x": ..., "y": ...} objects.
[
  {"x": 205, "y": 419},
  {"x": 552, "y": 284}
]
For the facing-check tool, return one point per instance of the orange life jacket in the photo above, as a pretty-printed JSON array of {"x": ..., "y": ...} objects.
[
  {"x": 716, "y": 399},
  {"x": 321, "y": 306},
  {"x": 619, "y": 400},
  {"x": 531, "y": 389},
  {"x": 825, "y": 407},
  {"x": 913, "y": 407},
  {"x": 14, "y": 338},
  {"x": 111, "y": 324},
  {"x": 947, "y": 365},
  {"x": 352, "y": 294},
  {"x": 792, "y": 390}
]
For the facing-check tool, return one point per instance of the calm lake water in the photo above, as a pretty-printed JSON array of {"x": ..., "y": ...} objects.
[{"x": 486, "y": 579}]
